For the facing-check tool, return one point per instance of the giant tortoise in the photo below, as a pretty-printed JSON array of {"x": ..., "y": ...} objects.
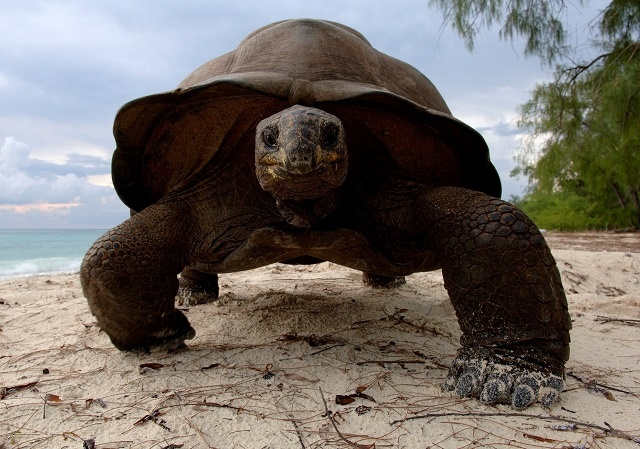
[{"x": 304, "y": 145}]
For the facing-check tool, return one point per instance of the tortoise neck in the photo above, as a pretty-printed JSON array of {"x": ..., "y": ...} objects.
[{"x": 306, "y": 213}]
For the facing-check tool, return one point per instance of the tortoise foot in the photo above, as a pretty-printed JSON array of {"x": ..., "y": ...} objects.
[
  {"x": 167, "y": 333},
  {"x": 504, "y": 384},
  {"x": 197, "y": 288},
  {"x": 187, "y": 297},
  {"x": 379, "y": 281}
]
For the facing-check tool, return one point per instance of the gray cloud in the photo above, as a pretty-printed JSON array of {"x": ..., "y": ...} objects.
[
  {"x": 35, "y": 192},
  {"x": 67, "y": 66}
]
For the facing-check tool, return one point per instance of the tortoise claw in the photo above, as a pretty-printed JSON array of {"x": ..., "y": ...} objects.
[
  {"x": 470, "y": 382},
  {"x": 504, "y": 384},
  {"x": 497, "y": 388}
]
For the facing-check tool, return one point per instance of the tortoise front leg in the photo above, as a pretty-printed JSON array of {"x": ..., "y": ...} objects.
[
  {"x": 129, "y": 277},
  {"x": 508, "y": 297}
]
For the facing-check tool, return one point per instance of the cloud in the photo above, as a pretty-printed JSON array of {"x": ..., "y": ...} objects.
[
  {"x": 31, "y": 189},
  {"x": 67, "y": 66}
]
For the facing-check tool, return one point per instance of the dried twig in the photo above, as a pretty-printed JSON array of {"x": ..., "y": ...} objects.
[
  {"x": 295, "y": 425},
  {"x": 333, "y": 423},
  {"x": 327, "y": 348},
  {"x": 383, "y": 362},
  {"x": 626, "y": 321},
  {"x": 597, "y": 384},
  {"x": 608, "y": 430},
  {"x": 155, "y": 417}
]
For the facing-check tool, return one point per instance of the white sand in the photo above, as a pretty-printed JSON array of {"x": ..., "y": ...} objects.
[{"x": 281, "y": 340}]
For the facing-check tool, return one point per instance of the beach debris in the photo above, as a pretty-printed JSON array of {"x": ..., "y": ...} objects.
[
  {"x": 6, "y": 391},
  {"x": 596, "y": 387},
  {"x": 98, "y": 401},
  {"x": 149, "y": 367},
  {"x": 89, "y": 444},
  {"x": 213, "y": 365},
  {"x": 539, "y": 438},
  {"x": 173, "y": 446},
  {"x": 52, "y": 399},
  {"x": 344, "y": 400},
  {"x": 154, "y": 416},
  {"x": 593, "y": 387},
  {"x": 362, "y": 409},
  {"x": 331, "y": 416},
  {"x": 45, "y": 371},
  {"x": 312, "y": 340},
  {"x": 602, "y": 289},
  {"x": 348, "y": 399},
  {"x": 625, "y": 321}
]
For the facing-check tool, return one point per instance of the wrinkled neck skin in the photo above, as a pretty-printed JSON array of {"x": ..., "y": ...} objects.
[{"x": 305, "y": 213}]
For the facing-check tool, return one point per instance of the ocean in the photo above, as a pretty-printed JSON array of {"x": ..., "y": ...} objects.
[{"x": 25, "y": 252}]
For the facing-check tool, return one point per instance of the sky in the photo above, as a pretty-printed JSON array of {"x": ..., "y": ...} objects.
[{"x": 66, "y": 66}]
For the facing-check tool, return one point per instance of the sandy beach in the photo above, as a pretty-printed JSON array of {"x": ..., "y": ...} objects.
[{"x": 306, "y": 357}]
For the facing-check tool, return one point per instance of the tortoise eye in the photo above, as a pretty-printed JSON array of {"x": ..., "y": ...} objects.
[
  {"x": 330, "y": 138},
  {"x": 270, "y": 137}
]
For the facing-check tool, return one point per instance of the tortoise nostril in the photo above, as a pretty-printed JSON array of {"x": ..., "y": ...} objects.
[{"x": 299, "y": 159}]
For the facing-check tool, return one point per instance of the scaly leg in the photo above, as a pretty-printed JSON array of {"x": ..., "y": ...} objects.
[
  {"x": 129, "y": 277},
  {"x": 508, "y": 296}
]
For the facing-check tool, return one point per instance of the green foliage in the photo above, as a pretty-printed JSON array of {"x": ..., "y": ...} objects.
[
  {"x": 537, "y": 20},
  {"x": 564, "y": 211},
  {"x": 590, "y": 136},
  {"x": 582, "y": 156}
]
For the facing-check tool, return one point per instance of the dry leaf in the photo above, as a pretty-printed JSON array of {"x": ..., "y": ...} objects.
[
  {"x": 155, "y": 366},
  {"x": 537, "y": 438},
  {"x": 52, "y": 398},
  {"x": 344, "y": 400},
  {"x": 213, "y": 365}
]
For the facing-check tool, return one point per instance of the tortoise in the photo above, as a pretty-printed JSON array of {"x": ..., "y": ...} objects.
[{"x": 304, "y": 145}]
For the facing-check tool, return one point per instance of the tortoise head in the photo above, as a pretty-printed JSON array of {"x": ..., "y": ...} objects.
[{"x": 301, "y": 159}]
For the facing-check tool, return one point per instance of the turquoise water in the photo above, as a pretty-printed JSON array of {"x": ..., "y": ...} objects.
[{"x": 26, "y": 252}]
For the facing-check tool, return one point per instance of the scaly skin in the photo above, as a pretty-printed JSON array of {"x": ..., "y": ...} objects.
[
  {"x": 129, "y": 277},
  {"x": 507, "y": 293},
  {"x": 497, "y": 268}
]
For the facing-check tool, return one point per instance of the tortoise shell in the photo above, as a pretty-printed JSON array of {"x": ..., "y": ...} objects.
[{"x": 164, "y": 140}]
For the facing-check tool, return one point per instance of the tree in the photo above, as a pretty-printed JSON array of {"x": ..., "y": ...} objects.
[{"x": 584, "y": 126}]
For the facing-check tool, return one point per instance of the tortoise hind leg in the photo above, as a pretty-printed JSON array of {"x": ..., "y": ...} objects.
[
  {"x": 508, "y": 296},
  {"x": 380, "y": 281},
  {"x": 197, "y": 287}
]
